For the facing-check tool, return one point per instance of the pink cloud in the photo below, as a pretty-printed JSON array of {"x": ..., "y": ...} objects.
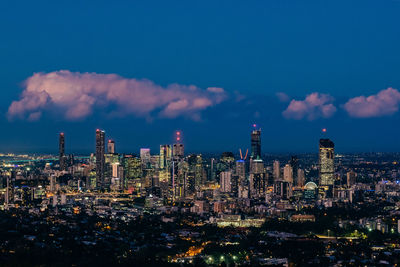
[
  {"x": 314, "y": 106},
  {"x": 76, "y": 95},
  {"x": 386, "y": 102}
]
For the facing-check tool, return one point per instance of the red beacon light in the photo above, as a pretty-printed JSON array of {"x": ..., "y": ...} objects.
[
  {"x": 178, "y": 136},
  {"x": 324, "y": 130}
]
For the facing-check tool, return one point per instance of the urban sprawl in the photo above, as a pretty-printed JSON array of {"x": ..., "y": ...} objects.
[{"x": 169, "y": 208}]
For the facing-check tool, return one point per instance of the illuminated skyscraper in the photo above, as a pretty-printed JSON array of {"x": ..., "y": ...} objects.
[
  {"x": 62, "y": 158},
  {"x": 241, "y": 170},
  {"x": 132, "y": 166},
  {"x": 145, "y": 157},
  {"x": 257, "y": 177},
  {"x": 111, "y": 147},
  {"x": 225, "y": 181},
  {"x": 326, "y": 162},
  {"x": 276, "y": 170},
  {"x": 294, "y": 163},
  {"x": 165, "y": 156},
  {"x": 100, "y": 160},
  {"x": 288, "y": 173},
  {"x": 256, "y": 144},
  {"x": 178, "y": 150},
  {"x": 256, "y": 166},
  {"x": 133, "y": 172}
]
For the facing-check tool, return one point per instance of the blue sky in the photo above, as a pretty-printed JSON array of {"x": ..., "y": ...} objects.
[{"x": 342, "y": 49}]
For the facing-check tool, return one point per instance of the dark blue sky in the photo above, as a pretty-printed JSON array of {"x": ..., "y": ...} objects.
[{"x": 344, "y": 49}]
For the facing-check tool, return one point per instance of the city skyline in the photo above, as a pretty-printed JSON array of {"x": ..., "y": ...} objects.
[
  {"x": 236, "y": 149},
  {"x": 109, "y": 143}
]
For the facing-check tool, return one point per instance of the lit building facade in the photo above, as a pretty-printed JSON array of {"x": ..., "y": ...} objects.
[
  {"x": 256, "y": 144},
  {"x": 100, "y": 160}
]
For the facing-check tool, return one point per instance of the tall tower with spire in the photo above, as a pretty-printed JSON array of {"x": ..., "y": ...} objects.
[
  {"x": 61, "y": 149},
  {"x": 100, "y": 160},
  {"x": 255, "y": 142}
]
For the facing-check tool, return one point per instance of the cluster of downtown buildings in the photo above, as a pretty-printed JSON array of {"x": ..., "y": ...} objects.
[
  {"x": 172, "y": 176},
  {"x": 359, "y": 193},
  {"x": 225, "y": 184},
  {"x": 226, "y": 189}
]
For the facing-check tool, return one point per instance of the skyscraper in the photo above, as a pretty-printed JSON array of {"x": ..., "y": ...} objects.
[
  {"x": 100, "y": 160},
  {"x": 241, "y": 170},
  {"x": 326, "y": 162},
  {"x": 61, "y": 148},
  {"x": 165, "y": 156},
  {"x": 178, "y": 150},
  {"x": 111, "y": 147},
  {"x": 132, "y": 171},
  {"x": 225, "y": 181},
  {"x": 276, "y": 170},
  {"x": 288, "y": 173},
  {"x": 256, "y": 144},
  {"x": 294, "y": 163},
  {"x": 145, "y": 156}
]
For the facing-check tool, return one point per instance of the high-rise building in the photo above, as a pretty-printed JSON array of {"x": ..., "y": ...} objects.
[
  {"x": 181, "y": 181},
  {"x": 61, "y": 148},
  {"x": 225, "y": 181},
  {"x": 165, "y": 156},
  {"x": 111, "y": 147},
  {"x": 100, "y": 160},
  {"x": 145, "y": 156},
  {"x": 351, "y": 178},
  {"x": 196, "y": 173},
  {"x": 257, "y": 177},
  {"x": 256, "y": 144},
  {"x": 256, "y": 166},
  {"x": 326, "y": 163},
  {"x": 132, "y": 166},
  {"x": 277, "y": 170},
  {"x": 283, "y": 189},
  {"x": 133, "y": 173},
  {"x": 294, "y": 163},
  {"x": 178, "y": 150},
  {"x": 288, "y": 173},
  {"x": 241, "y": 170},
  {"x": 301, "y": 178}
]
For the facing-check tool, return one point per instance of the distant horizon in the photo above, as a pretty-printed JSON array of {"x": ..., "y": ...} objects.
[{"x": 216, "y": 153}]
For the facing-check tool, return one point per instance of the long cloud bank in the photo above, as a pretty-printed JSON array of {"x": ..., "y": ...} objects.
[
  {"x": 384, "y": 103},
  {"x": 318, "y": 105},
  {"x": 76, "y": 95}
]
